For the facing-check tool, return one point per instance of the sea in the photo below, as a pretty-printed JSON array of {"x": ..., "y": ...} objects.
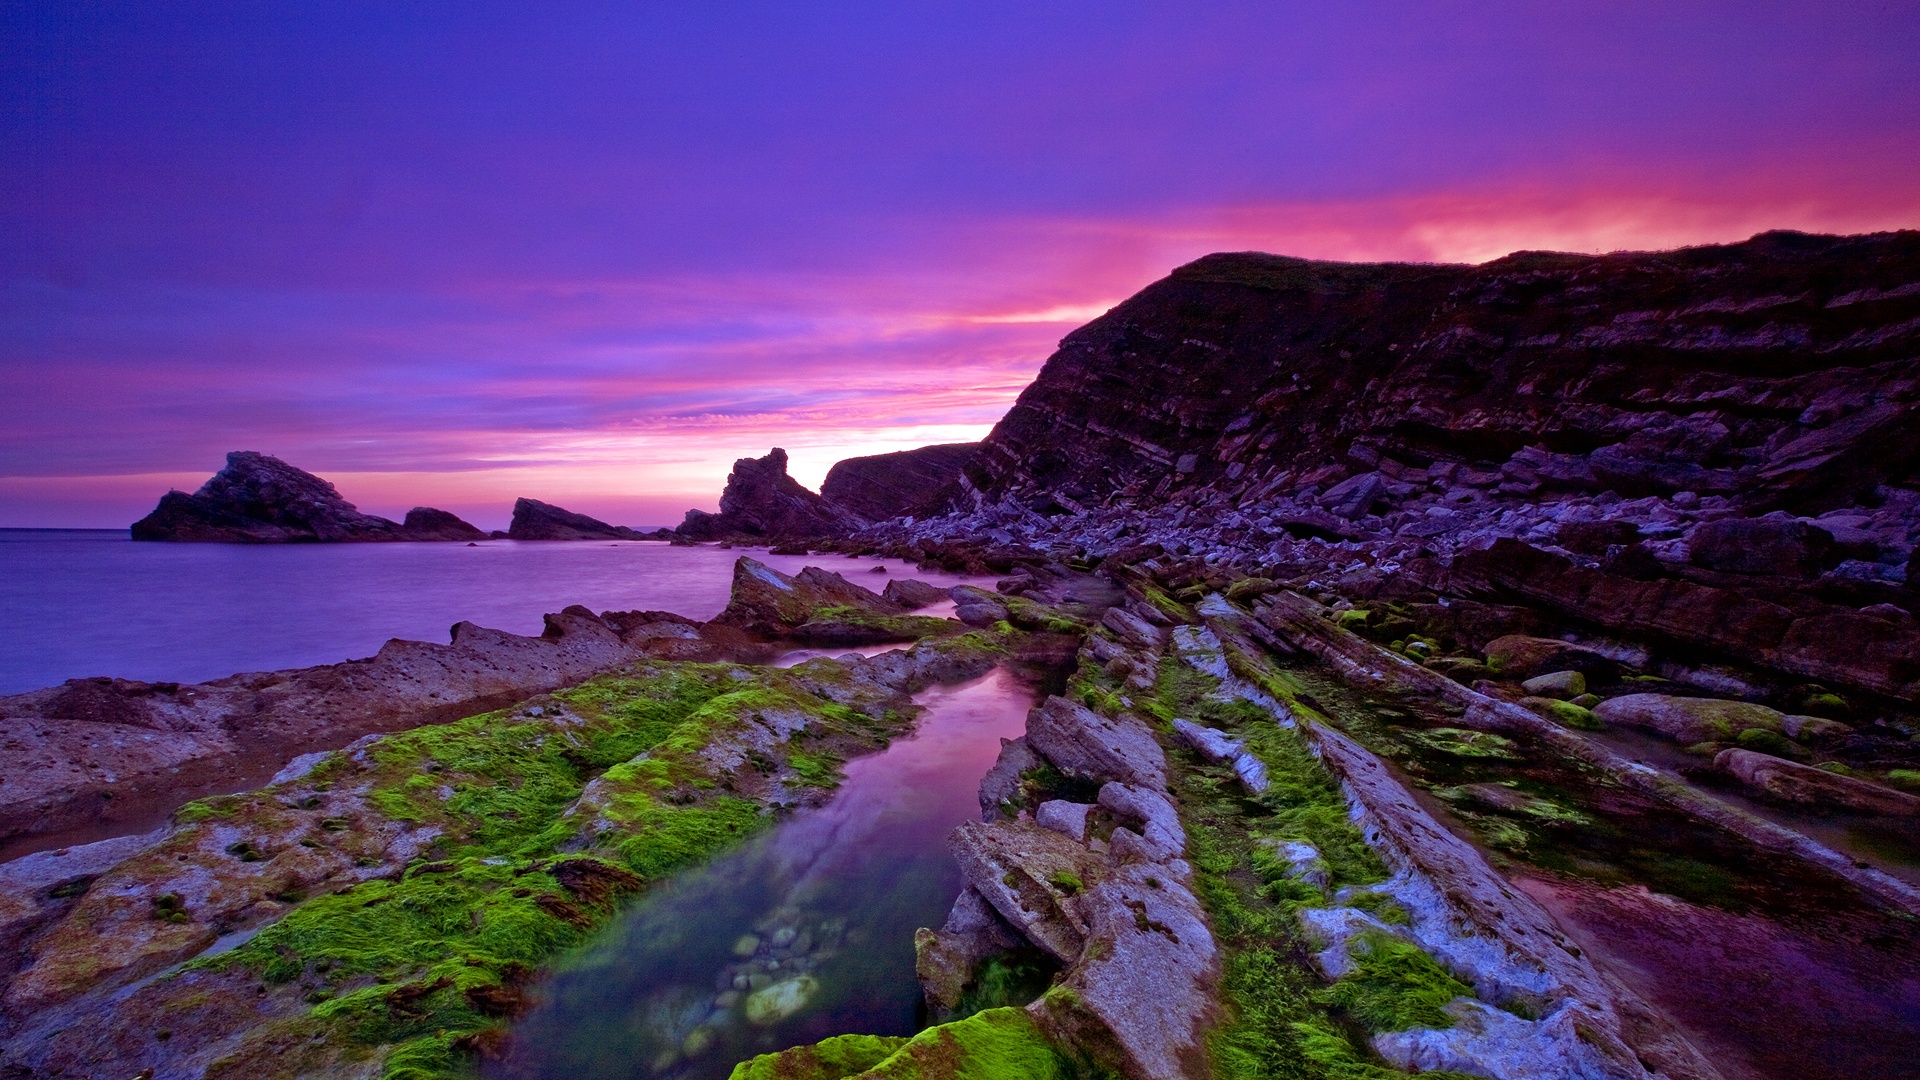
[{"x": 77, "y": 603}]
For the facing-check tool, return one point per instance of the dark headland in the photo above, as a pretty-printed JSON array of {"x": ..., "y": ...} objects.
[{"x": 1505, "y": 671}]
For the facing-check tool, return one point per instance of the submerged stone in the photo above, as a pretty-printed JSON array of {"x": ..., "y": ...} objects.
[{"x": 780, "y": 1000}]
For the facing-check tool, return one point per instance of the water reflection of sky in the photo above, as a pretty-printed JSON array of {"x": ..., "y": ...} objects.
[{"x": 818, "y": 914}]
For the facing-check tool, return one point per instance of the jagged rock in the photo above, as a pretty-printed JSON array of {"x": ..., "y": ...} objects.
[
  {"x": 1689, "y": 720},
  {"x": 771, "y": 604},
  {"x": 1029, "y": 876},
  {"x": 945, "y": 959},
  {"x": 1783, "y": 548},
  {"x": 886, "y": 486},
  {"x": 1142, "y": 994},
  {"x": 1134, "y": 630},
  {"x": 426, "y": 523},
  {"x": 535, "y": 520},
  {"x": 977, "y": 607},
  {"x": 1595, "y": 537},
  {"x": 259, "y": 499},
  {"x": 1083, "y": 743},
  {"x": 761, "y": 500},
  {"x": 912, "y": 594},
  {"x": 1792, "y": 782},
  {"x": 1001, "y": 786}
]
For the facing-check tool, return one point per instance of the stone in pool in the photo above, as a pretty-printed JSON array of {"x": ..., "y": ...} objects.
[{"x": 781, "y": 1000}]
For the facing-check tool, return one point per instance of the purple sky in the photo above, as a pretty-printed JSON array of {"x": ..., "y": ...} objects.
[{"x": 454, "y": 253}]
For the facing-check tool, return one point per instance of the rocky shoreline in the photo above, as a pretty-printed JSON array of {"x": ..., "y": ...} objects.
[{"x": 1505, "y": 671}]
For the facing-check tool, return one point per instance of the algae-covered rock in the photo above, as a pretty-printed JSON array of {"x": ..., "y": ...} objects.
[
  {"x": 1564, "y": 712},
  {"x": 997, "y": 1044},
  {"x": 1688, "y": 720},
  {"x": 1459, "y": 742},
  {"x": 780, "y": 1000},
  {"x": 1521, "y": 656},
  {"x": 1557, "y": 684}
]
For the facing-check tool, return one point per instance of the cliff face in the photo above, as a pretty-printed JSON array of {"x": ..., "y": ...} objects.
[
  {"x": 1778, "y": 372},
  {"x": 259, "y": 499},
  {"x": 886, "y": 486},
  {"x": 762, "y": 501}
]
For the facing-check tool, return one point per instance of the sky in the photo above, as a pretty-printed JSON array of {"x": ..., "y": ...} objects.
[{"x": 454, "y": 253}]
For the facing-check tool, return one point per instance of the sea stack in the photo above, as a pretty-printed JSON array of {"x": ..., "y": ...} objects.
[{"x": 259, "y": 499}]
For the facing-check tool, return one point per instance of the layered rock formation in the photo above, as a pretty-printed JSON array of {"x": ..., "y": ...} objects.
[
  {"x": 762, "y": 502},
  {"x": 535, "y": 520},
  {"x": 901, "y": 484},
  {"x": 258, "y": 499}
]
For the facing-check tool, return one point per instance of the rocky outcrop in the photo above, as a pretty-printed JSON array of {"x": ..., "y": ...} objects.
[
  {"x": 1142, "y": 968},
  {"x": 426, "y": 523},
  {"x": 258, "y": 499},
  {"x": 93, "y": 752},
  {"x": 901, "y": 484},
  {"x": 771, "y": 604},
  {"x": 1778, "y": 372},
  {"x": 535, "y": 520},
  {"x": 762, "y": 502}
]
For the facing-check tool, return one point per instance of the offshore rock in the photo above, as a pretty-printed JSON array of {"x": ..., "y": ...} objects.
[
  {"x": 762, "y": 501},
  {"x": 535, "y": 520},
  {"x": 909, "y": 482},
  {"x": 259, "y": 499},
  {"x": 426, "y": 523}
]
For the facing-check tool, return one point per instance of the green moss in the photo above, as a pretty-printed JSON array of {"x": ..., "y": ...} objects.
[
  {"x": 1066, "y": 881},
  {"x": 1567, "y": 713},
  {"x": 1768, "y": 742},
  {"x": 998, "y": 1044},
  {"x": 1906, "y": 778},
  {"x": 1394, "y": 985},
  {"x": 830, "y": 1059},
  {"x": 1354, "y": 619},
  {"x": 217, "y": 806}
]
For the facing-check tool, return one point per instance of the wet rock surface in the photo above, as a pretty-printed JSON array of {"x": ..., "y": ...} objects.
[{"x": 895, "y": 485}]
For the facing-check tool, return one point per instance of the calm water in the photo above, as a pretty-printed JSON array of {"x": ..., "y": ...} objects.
[
  {"x": 84, "y": 602},
  {"x": 816, "y": 915}
]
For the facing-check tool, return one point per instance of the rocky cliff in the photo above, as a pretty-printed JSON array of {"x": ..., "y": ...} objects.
[
  {"x": 762, "y": 502},
  {"x": 909, "y": 482},
  {"x": 259, "y": 499},
  {"x": 1777, "y": 372}
]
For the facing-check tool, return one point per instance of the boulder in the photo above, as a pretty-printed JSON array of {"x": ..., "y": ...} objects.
[
  {"x": 1029, "y": 876},
  {"x": 426, "y": 523},
  {"x": 259, "y": 499},
  {"x": 1776, "y": 547},
  {"x": 771, "y": 604},
  {"x": 883, "y": 486},
  {"x": 911, "y": 594},
  {"x": 1219, "y": 747},
  {"x": 535, "y": 520},
  {"x": 1689, "y": 720},
  {"x": 1804, "y": 785},
  {"x": 945, "y": 959},
  {"x": 1520, "y": 656},
  {"x": 977, "y": 607},
  {"x": 1063, "y": 817},
  {"x": 761, "y": 500},
  {"x": 1085, "y": 744},
  {"x": 1557, "y": 684}
]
